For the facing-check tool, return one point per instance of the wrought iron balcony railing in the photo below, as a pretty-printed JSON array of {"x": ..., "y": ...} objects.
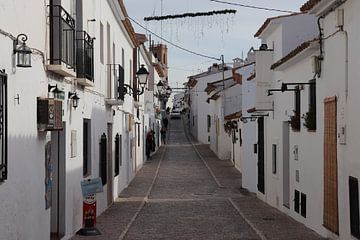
[
  {"x": 62, "y": 37},
  {"x": 84, "y": 55}
]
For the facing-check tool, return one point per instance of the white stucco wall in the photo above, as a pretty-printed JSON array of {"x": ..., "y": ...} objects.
[
  {"x": 22, "y": 195},
  {"x": 333, "y": 83}
]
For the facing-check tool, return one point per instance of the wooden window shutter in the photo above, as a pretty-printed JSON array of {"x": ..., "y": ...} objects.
[{"x": 331, "y": 218}]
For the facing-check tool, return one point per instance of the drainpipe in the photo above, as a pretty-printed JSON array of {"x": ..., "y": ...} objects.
[
  {"x": 346, "y": 62},
  {"x": 321, "y": 36}
]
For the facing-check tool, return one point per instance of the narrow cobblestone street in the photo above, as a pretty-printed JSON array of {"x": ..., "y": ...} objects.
[{"x": 185, "y": 192}]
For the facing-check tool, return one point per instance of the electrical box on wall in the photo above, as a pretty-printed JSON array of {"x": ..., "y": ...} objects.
[
  {"x": 316, "y": 64},
  {"x": 49, "y": 114},
  {"x": 297, "y": 176},
  {"x": 340, "y": 18},
  {"x": 342, "y": 135}
]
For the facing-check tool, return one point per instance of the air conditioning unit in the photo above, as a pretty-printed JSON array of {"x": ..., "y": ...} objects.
[{"x": 49, "y": 114}]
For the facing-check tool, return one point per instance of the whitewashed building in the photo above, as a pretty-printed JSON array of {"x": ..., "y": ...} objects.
[
  {"x": 78, "y": 47},
  {"x": 202, "y": 112},
  {"x": 281, "y": 176},
  {"x": 337, "y": 101}
]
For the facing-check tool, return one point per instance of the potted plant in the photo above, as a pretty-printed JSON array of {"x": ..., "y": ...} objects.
[
  {"x": 295, "y": 121},
  {"x": 310, "y": 119}
]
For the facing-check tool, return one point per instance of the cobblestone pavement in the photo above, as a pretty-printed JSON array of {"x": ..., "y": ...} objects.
[{"x": 185, "y": 192}]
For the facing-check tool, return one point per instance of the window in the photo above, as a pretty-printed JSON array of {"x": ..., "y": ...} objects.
[
  {"x": 274, "y": 158},
  {"x": 120, "y": 83},
  {"x": 3, "y": 127},
  {"x": 131, "y": 76},
  {"x": 84, "y": 55},
  {"x": 123, "y": 58},
  {"x": 303, "y": 205},
  {"x": 300, "y": 203},
  {"x": 103, "y": 159},
  {"x": 240, "y": 137},
  {"x": 101, "y": 43},
  {"x": 354, "y": 206},
  {"x": 62, "y": 37},
  {"x": 86, "y": 147},
  {"x": 297, "y": 201},
  {"x": 310, "y": 116},
  {"x": 117, "y": 154},
  {"x": 139, "y": 139},
  {"x": 296, "y": 119},
  {"x": 208, "y": 123}
]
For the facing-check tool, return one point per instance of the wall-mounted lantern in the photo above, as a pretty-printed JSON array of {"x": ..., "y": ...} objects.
[
  {"x": 23, "y": 52},
  {"x": 54, "y": 91},
  {"x": 142, "y": 75},
  {"x": 74, "y": 99},
  {"x": 160, "y": 87}
]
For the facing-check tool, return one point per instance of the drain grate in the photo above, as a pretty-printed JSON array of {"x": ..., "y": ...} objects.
[{"x": 268, "y": 219}]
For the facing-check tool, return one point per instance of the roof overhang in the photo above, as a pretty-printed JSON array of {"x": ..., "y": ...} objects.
[
  {"x": 253, "y": 76},
  {"x": 323, "y": 7},
  {"x": 232, "y": 116},
  {"x": 303, "y": 51}
]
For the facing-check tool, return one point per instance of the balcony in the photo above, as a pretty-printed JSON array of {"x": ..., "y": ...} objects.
[
  {"x": 84, "y": 59},
  {"x": 62, "y": 42},
  {"x": 115, "y": 92}
]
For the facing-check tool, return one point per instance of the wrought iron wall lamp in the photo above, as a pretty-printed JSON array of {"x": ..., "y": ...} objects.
[
  {"x": 74, "y": 99},
  {"x": 54, "y": 91},
  {"x": 142, "y": 75},
  {"x": 23, "y": 52}
]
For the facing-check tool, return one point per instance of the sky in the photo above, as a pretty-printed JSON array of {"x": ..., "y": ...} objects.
[{"x": 231, "y": 35}]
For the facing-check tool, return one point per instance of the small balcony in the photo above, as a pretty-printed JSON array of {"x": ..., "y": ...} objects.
[
  {"x": 62, "y": 42},
  {"x": 115, "y": 85},
  {"x": 84, "y": 59}
]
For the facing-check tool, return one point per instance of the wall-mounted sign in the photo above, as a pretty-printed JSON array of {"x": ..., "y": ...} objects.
[{"x": 91, "y": 186}]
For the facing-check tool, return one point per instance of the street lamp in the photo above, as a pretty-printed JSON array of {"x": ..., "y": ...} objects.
[
  {"x": 160, "y": 87},
  {"x": 23, "y": 52},
  {"x": 74, "y": 98},
  {"x": 142, "y": 75},
  {"x": 53, "y": 91}
]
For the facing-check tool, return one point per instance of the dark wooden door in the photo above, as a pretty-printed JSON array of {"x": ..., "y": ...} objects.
[{"x": 261, "y": 168}]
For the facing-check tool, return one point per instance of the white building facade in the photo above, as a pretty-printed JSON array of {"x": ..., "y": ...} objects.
[{"x": 77, "y": 47}]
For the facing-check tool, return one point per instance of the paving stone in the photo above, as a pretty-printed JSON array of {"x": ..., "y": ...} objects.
[{"x": 186, "y": 201}]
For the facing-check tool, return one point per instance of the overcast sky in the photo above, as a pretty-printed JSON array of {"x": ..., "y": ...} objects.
[{"x": 230, "y": 35}]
